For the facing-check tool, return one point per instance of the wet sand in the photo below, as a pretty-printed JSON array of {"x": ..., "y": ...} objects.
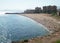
[{"x": 48, "y": 21}]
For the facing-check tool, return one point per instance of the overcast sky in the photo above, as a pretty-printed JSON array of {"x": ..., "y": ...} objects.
[{"x": 26, "y": 4}]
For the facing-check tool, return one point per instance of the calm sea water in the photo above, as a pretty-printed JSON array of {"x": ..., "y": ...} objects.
[{"x": 16, "y": 27}]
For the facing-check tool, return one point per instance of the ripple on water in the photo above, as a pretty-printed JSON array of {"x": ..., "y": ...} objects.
[{"x": 16, "y": 27}]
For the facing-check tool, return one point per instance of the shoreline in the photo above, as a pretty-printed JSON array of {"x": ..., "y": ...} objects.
[{"x": 50, "y": 23}]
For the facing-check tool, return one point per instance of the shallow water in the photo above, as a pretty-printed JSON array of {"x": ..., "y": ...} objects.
[{"x": 16, "y": 27}]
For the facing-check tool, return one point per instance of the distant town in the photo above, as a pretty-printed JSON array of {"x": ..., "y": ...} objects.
[{"x": 46, "y": 9}]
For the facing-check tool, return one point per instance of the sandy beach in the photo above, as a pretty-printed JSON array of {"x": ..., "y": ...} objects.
[{"x": 48, "y": 21}]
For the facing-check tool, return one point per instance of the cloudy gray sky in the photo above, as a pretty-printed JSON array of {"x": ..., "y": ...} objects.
[{"x": 26, "y": 4}]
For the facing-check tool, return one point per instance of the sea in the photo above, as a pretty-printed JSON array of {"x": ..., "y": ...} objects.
[{"x": 14, "y": 27}]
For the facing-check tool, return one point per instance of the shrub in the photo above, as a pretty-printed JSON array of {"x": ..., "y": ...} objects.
[{"x": 58, "y": 41}]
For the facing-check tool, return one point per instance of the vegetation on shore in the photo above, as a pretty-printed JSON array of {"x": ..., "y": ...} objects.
[
  {"x": 57, "y": 41},
  {"x": 54, "y": 15}
]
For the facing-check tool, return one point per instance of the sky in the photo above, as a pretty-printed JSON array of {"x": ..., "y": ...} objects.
[{"x": 26, "y": 4}]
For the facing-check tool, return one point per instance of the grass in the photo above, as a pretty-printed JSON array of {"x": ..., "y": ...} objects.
[{"x": 58, "y": 41}]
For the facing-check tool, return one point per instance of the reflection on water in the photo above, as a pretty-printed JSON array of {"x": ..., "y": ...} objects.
[{"x": 16, "y": 27}]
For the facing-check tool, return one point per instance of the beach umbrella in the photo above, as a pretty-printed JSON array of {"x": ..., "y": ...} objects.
[{"x": 17, "y": 27}]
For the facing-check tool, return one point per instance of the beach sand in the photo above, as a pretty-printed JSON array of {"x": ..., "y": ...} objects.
[{"x": 48, "y": 21}]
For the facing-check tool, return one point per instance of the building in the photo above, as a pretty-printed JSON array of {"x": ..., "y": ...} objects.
[
  {"x": 29, "y": 11},
  {"x": 58, "y": 12},
  {"x": 49, "y": 9},
  {"x": 38, "y": 10},
  {"x": 45, "y": 9}
]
